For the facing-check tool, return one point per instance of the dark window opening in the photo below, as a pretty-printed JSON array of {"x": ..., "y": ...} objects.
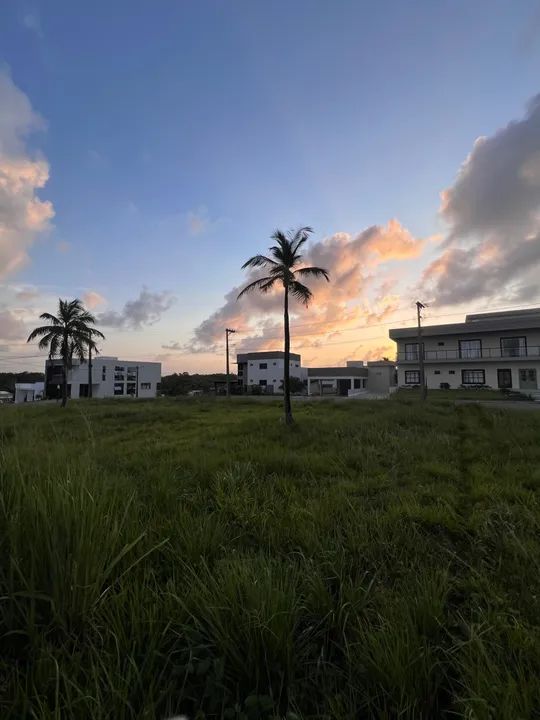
[
  {"x": 514, "y": 347},
  {"x": 470, "y": 349},
  {"x": 473, "y": 377},
  {"x": 411, "y": 351},
  {"x": 412, "y": 377},
  {"x": 263, "y": 366}
]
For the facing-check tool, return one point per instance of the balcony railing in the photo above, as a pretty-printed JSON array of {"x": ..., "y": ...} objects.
[{"x": 474, "y": 354}]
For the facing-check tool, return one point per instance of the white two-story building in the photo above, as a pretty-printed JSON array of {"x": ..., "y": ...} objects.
[
  {"x": 264, "y": 370},
  {"x": 497, "y": 350},
  {"x": 111, "y": 377}
]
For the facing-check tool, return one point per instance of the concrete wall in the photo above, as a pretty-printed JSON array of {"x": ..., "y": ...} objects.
[{"x": 380, "y": 378}]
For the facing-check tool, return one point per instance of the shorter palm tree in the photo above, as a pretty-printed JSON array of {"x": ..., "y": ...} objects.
[
  {"x": 283, "y": 269},
  {"x": 68, "y": 334}
]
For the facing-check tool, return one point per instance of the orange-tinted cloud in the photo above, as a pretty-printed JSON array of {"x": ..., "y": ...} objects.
[
  {"x": 23, "y": 215},
  {"x": 361, "y": 293}
]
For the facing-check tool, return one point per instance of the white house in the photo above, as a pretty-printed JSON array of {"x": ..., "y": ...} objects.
[
  {"x": 263, "y": 372},
  {"x": 29, "y": 392},
  {"x": 111, "y": 377},
  {"x": 498, "y": 350}
]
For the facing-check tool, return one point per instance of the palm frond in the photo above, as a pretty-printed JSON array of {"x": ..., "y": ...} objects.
[
  {"x": 264, "y": 284},
  {"x": 300, "y": 292},
  {"x": 51, "y": 318},
  {"x": 43, "y": 330},
  {"x": 299, "y": 238},
  {"x": 258, "y": 261},
  {"x": 313, "y": 271}
]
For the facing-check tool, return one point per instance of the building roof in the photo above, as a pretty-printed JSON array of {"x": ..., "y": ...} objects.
[
  {"x": 338, "y": 372},
  {"x": 37, "y": 386},
  {"x": 269, "y": 354},
  {"x": 482, "y": 322}
]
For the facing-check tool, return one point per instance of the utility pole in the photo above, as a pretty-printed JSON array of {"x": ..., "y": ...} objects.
[
  {"x": 423, "y": 389},
  {"x": 228, "y": 331}
]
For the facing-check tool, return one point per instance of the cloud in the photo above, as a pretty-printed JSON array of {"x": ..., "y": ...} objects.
[
  {"x": 492, "y": 248},
  {"x": 63, "y": 247},
  {"x": 147, "y": 309},
  {"x": 174, "y": 346},
  {"x": 353, "y": 297},
  {"x": 92, "y": 299},
  {"x": 23, "y": 216},
  {"x": 27, "y": 294},
  {"x": 32, "y": 21},
  {"x": 11, "y": 327}
]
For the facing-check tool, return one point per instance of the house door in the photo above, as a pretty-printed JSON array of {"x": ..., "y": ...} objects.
[
  {"x": 344, "y": 386},
  {"x": 504, "y": 378},
  {"x": 527, "y": 379}
]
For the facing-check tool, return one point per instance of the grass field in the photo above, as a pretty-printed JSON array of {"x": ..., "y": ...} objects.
[{"x": 380, "y": 560}]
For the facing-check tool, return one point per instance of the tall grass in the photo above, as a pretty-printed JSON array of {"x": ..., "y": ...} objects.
[{"x": 379, "y": 561}]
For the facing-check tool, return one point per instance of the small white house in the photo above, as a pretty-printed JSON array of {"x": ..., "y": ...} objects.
[{"x": 29, "y": 392}]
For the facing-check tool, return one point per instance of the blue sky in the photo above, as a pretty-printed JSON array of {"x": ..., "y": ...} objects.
[{"x": 180, "y": 134}]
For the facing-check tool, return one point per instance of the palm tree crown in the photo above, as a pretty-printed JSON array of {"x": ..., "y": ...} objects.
[
  {"x": 283, "y": 266},
  {"x": 69, "y": 332}
]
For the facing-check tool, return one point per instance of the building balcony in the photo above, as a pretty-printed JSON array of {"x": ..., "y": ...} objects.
[{"x": 473, "y": 356}]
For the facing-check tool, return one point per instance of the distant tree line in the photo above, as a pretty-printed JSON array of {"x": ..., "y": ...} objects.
[
  {"x": 8, "y": 380},
  {"x": 182, "y": 383}
]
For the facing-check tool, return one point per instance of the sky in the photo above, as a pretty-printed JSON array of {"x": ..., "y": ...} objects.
[{"x": 148, "y": 148}]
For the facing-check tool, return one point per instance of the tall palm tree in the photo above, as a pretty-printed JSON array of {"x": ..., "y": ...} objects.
[
  {"x": 283, "y": 269},
  {"x": 68, "y": 333}
]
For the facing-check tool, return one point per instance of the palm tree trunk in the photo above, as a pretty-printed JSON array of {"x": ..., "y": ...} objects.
[
  {"x": 286, "y": 370},
  {"x": 64, "y": 383},
  {"x": 89, "y": 372}
]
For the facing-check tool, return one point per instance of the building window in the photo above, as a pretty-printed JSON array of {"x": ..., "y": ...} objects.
[
  {"x": 119, "y": 368},
  {"x": 514, "y": 347},
  {"x": 119, "y": 388},
  {"x": 411, "y": 351},
  {"x": 412, "y": 377},
  {"x": 440, "y": 343},
  {"x": 437, "y": 372},
  {"x": 296, "y": 365},
  {"x": 146, "y": 386},
  {"x": 274, "y": 363},
  {"x": 451, "y": 372},
  {"x": 263, "y": 366},
  {"x": 470, "y": 349},
  {"x": 131, "y": 389},
  {"x": 357, "y": 383},
  {"x": 473, "y": 377},
  {"x": 262, "y": 383},
  {"x": 103, "y": 373}
]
